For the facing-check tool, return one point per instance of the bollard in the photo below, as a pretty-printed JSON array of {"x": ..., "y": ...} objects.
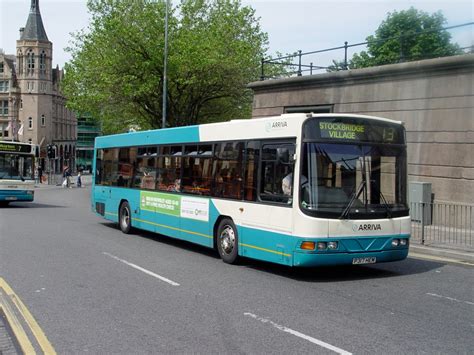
[{"x": 422, "y": 223}]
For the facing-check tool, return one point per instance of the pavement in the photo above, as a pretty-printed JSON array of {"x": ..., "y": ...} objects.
[{"x": 448, "y": 255}]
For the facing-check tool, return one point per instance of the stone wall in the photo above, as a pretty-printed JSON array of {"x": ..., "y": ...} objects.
[{"x": 434, "y": 98}]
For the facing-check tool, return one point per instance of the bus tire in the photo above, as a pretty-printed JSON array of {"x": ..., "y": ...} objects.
[
  {"x": 227, "y": 241},
  {"x": 125, "y": 218}
]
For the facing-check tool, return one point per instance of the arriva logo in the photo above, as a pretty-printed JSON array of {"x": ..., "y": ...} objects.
[
  {"x": 366, "y": 227},
  {"x": 271, "y": 126}
]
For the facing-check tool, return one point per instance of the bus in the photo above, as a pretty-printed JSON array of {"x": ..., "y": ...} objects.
[
  {"x": 296, "y": 189},
  {"x": 17, "y": 178}
]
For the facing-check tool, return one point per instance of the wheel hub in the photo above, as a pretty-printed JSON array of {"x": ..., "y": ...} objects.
[{"x": 227, "y": 240}]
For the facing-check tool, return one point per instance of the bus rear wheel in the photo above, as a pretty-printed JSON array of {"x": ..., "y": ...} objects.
[
  {"x": 125, "y": 218},
  {"x": 227, "y": 241}
]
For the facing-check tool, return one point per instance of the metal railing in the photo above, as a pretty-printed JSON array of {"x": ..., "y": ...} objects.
[
  {"x": 300, "y": 68},
  {"x": 443, "y": 224}
]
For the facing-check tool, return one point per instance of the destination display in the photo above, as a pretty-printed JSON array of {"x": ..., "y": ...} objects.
[
  {"x": 354, "y": 130},
  {"x": 341, "y": 130},
  {"x": 14, "y": 147}
]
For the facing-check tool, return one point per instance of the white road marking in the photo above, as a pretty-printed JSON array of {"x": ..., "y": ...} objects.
[
  {"x": 450, "y": 298},
  {"x": 300, "y": 335},
  {"x": 148, "y": 272}
]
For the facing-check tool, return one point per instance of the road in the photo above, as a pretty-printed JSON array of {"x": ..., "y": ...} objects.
[{"x": 93, "y": 289}]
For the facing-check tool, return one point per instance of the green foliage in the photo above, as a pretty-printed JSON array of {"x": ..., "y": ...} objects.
[
  {"x": 405, "y": 36},
  {"x": 116, "y": 71}
]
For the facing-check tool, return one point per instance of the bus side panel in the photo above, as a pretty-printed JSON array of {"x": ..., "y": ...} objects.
[
  {"x": 197, "y": 219},
  {"x": 196, "y": 232},
  {"x": 266, "y": 245}
]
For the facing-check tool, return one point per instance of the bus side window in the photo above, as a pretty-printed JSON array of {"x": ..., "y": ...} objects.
[
  {"x": 251, "y": 170},
  {"x": 277, "y": 172},
  {"x": 227, "y": 170},
  {"x": 99, "y": 171},
  {"x": 127, "y": 160},
  {"x": 110, "y": 165},
  {"x": 197, "y": 169}
]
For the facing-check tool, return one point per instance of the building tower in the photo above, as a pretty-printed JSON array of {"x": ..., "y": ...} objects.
[
  {"x": 34, "y": 66},
  {"x": 36, "y": 107}
]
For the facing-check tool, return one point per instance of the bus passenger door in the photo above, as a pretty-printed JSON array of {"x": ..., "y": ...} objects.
[{"x": 268, "y": 221}]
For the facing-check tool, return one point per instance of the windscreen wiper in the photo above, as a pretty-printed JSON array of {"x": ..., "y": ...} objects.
[
  {"x": 384, "y": 201},
  {"x": 355, "y": 195}
]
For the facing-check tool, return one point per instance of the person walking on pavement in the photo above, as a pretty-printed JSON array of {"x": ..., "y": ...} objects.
[
  {"x": 79, "y": 181},
  {"x": 66, "y": 176}
]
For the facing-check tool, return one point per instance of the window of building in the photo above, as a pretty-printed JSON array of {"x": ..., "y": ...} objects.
[
  {"x": 21, "y": 104},
  {"x": 42, "y": 62},
  {"x": 2, "y": 67},
  {"x": 4, "y": 130},
  {"x": 30, "y": 123},
  {"x": 43, "y": 120},
  {"x": 20, "y": 62},
  {"x": 4, "y": 108},
  {"x": 310, "y": 109},
  {"x": 4, "y": 84},
  {"x": 30, "y": 60}
]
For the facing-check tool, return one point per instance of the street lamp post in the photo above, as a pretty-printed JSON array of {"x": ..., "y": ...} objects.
[{"x": 165, "y": 66}]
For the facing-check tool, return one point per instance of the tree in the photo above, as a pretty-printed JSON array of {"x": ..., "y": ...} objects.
[
  {"x": 403, "y": 36},
  {"x": 116, "y": 71}
]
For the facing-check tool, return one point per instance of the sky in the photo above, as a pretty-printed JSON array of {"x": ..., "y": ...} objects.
[{"x": 306, "y": 25}]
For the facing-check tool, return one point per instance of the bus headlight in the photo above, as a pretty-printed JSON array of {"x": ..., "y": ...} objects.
[
  {"x": 332, "y": 245},
  {"x": 30, "y": 192},
  {"x": 403, "y": 242},
  {"x": 395, "y": 242},
  {"x": 322, "y": 246}
]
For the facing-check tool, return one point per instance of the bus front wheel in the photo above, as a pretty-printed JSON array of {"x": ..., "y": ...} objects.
[
  {"x": 228, "y": 241},
  {"x": 125, "y": 218}
]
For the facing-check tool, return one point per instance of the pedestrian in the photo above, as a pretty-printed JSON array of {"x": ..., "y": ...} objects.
[
  {"x": 79, "y": 181},
  {"x": 40, "y": 174},
  {"x": 66, "y": 177}
]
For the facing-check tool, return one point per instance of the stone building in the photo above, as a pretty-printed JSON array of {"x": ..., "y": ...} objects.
[
  {"x": 434, "y": 98},
  {"x": 32, "y": 108}
]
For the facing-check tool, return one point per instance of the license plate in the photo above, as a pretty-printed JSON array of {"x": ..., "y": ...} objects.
[
  {"x": 10, "y": 198},
  {"x": 358, "y": 261}
]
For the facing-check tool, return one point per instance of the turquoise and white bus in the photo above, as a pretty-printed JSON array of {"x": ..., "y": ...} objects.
[
  {"x": 297, "y": 189},
  {"x": 17, "y": 179}
]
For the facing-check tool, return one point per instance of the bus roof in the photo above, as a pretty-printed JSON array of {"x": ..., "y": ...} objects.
[{"x": 283, "y": 126}]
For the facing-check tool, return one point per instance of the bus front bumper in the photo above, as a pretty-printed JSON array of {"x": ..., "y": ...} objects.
[
  {"x": 304, "y": 259},
  {"x": 17, "y": 195}
]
